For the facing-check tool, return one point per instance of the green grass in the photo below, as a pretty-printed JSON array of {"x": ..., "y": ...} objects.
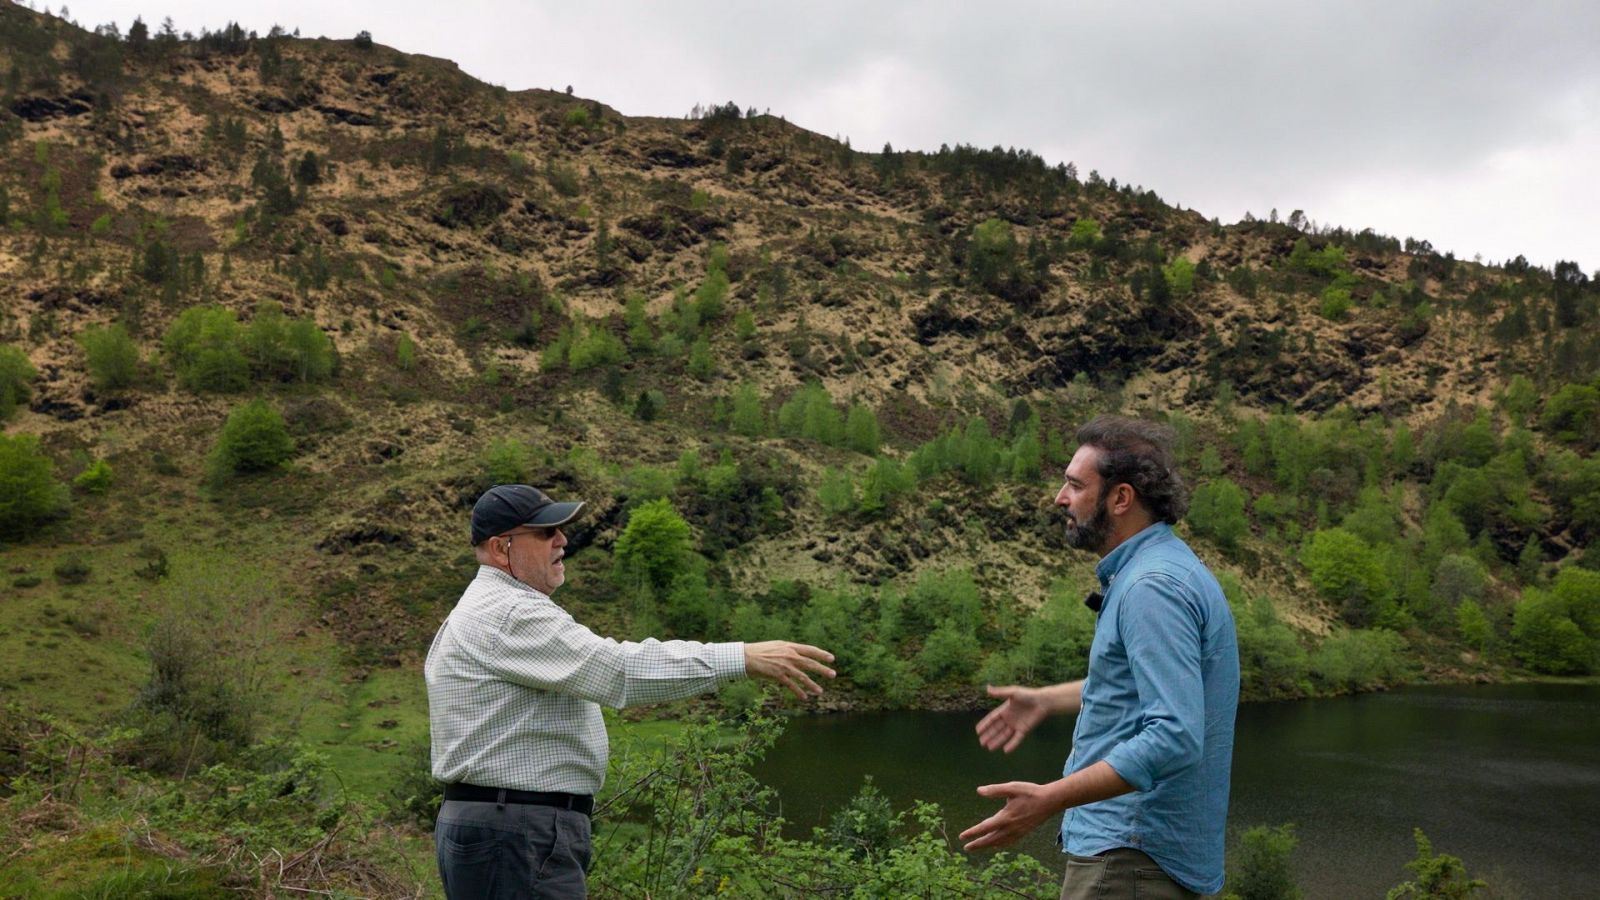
[{"x": 104, "y": 862}]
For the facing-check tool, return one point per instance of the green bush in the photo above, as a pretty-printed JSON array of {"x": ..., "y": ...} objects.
[
  {"x": 507, "y": 461},
  {"x": 1438, "y": 877},
  {"x": 1348, "y": 572},
  {"x": 701, "y": 363},
  {"x": 29, "y": 493},
  {"x": 1180, "y": 277},
  {"x": 1259, "y": 867},
  {"x": 95, "y": 479},
  {"x": 1473, "y": 625},
  {"x": 1360, "y": 660},
  {"x": 861, "y": 432},
  {"x": 113, "y": 358},
  {"x": 950, "y": 652},
  {"x": 749, "y": 415},
  {"x": 1335, "y": 304},
  {"x": 1558, "y": 631},
  {"x": 405, "y": 353},
  {"x": 16, "y": 374},
  {"x": 837, "y": 493},
  {"x": 655, "y": 546},
  {"x": 72, "y": 570},
  {"x": 253, "y": 439},
  {"x": 203, "y": 345},
  {"x": 1217, "y": 511},
  {"x": 1572, "y": 415}
]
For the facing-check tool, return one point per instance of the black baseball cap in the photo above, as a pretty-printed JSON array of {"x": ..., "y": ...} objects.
[{"x": 506, "y": 506}]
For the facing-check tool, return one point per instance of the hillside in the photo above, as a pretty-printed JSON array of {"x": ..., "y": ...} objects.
[{"x": 854, "y": 375}]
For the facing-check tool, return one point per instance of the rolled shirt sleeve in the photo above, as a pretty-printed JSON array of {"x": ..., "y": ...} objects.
[{"x": 1161, "y": 630}]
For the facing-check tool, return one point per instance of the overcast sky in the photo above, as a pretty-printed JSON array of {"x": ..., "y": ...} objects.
[{"x": 1473, "y": 125}]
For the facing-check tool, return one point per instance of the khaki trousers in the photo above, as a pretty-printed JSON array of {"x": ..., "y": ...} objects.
[{"x": 1121, "y": 874}]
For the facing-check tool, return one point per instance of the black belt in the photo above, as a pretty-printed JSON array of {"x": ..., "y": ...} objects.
[{"x": 583, "y": 803}]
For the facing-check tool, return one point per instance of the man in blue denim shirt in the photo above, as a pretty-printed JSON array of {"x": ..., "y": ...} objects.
[{"x": 1146, "y": 785}]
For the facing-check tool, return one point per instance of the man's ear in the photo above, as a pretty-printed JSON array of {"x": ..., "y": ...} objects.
[{"x": 1122, "y": 499}]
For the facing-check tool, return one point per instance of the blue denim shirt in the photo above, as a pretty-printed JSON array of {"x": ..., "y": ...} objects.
[{"x": 1158, "y": 706}]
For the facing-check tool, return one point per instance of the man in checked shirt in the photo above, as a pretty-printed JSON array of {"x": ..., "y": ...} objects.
[{"x": 514, "y": 692}]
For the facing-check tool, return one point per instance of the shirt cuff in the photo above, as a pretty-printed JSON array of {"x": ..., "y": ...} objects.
[
  {"x": 727, "y": 660},
  {"x": 1123, "y": 761}
]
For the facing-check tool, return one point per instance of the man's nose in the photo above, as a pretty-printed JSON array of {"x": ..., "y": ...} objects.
[
  {"x": 1061, "y": 496},
  {"x": 561, "y": 539}
]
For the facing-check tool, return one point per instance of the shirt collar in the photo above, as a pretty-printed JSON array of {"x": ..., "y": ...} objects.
[
  {"x": 505, "y": 580},
  {"x": 1113, "y": 562}
]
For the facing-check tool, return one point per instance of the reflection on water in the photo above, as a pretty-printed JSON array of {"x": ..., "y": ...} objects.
[{"x": 1507, "y": 777}]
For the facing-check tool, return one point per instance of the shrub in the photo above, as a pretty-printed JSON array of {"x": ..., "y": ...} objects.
[
  {"x": 405, "y": 353},
  {"x": 1259, "y": 868},
  {"x": 1572, "y": 415},
  {"x": 1473, "y": 625},
  {"x": 837, "y": 493},
  {"x": 1335, "y": 304},
  {"x": 1438, "y": 877},
  {"x": 507, "y": 461},
  {"x": 861, "y": 432},
  {"x": 951, "y": 651},
  {"x": 15, "y": 375},
  {"x": 864, "y": 827},
  {"x": 701, "y": 363},
  {"x": 1360, "y": 660},
  {"x": 654, "y": 546},
  {"x": 1085, "y": 234},
  {"x": 1558, "y": 631},
  {"x": 1347, "y": 571},
  {"x": 253, "y": 439},
  {"x": 113, "y": 358},
  {"x": 1180, "y": 277},
  {"x": 1217, "y": 511},
  {"x": 96, "y": 479},
  {"x": 28, "y": 490},
  {"x": 749, "y": 416},
  {"x": 203, "y": 344},
  {"x": 72, "y": 570}
]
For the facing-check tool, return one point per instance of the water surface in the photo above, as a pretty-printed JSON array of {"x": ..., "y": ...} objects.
[{"x": 1507, "y": 777}]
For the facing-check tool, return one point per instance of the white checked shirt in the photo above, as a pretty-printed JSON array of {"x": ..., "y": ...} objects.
[{"x": 514, "y": 683}]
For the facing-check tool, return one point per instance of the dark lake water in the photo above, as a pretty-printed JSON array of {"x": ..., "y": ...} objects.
[{"x": 1507, "y": 777}]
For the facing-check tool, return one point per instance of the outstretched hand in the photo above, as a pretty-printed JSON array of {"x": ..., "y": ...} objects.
[
  {"x": 1027, "y": 805},
  {"x": 1007, "y": 724},
  {"x": 788, "y": 664}
]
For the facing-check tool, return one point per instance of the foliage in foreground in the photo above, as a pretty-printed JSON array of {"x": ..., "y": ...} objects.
[{"x": 691, "y": 821}]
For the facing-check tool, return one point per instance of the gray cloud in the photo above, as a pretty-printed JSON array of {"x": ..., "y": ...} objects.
[{"x": 1473, "y": 124}]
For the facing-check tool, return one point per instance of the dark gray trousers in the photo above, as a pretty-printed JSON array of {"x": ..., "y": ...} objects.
[{"x": 513, "y": 852}]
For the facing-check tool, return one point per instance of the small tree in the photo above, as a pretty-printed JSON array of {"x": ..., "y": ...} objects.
[
  {"x": 1259, "y": 868},
  {"x": 96, "y": 479},
  {"x": 1347, "y": 571},
  {"x": 15, "y": 375},
  {"x": 654, "y": 546},
  {"x": 28, "y": 490},
  {"x": 1217, "y": 511},
  {"x": 507, "y": 462},
  {"x": 1438, "y": 877},
  {"x": 113, "y": 358},
  {"x": 253, "y": 439},
  {"x": 861, "y": 432},
  {"x": 1473, "y": 625}
]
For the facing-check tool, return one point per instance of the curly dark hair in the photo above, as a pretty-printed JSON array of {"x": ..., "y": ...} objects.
[{"x": 1139, "y": 454}]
